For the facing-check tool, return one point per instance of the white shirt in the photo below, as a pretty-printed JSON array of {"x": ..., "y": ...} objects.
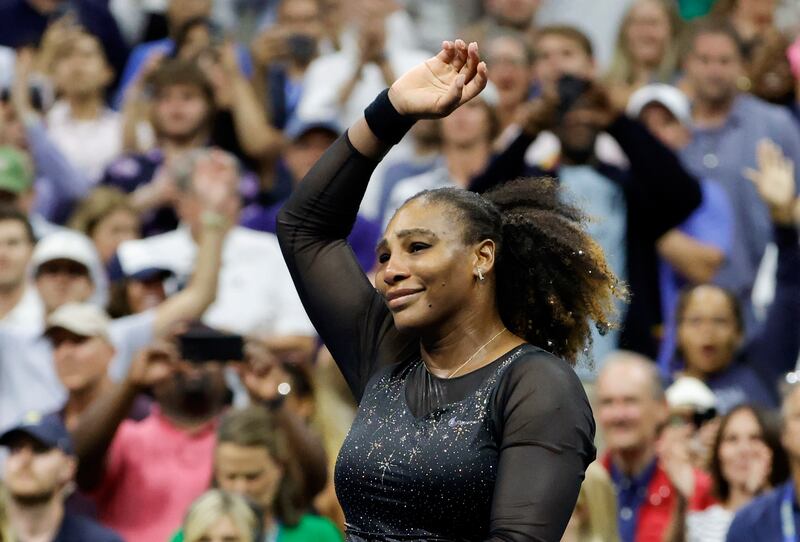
[
  {"x": 430, "y": 180},
  {"x": 328, "y": 74},
  {"x": 255, "y": 292},
  {"x": 28, "y": 380},
  {"x": 90, "y": 145},
  {"x": 28, "y": 313},
  {"x": 709, "y": 525}
]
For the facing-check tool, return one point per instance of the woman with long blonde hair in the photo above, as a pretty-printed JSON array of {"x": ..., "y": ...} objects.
[{"x": 647, "y": 49}]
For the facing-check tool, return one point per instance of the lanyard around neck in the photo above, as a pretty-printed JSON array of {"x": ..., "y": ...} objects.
[{"x": 787, "y": 513}]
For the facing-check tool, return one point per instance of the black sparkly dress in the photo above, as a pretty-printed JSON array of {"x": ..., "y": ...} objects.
[{"x": 497, "y": 454}]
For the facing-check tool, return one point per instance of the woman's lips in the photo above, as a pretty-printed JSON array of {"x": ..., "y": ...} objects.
[{"x": 399, "y": 298}]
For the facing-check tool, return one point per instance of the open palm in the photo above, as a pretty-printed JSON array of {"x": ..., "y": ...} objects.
[{"x": 442, "y": 83}]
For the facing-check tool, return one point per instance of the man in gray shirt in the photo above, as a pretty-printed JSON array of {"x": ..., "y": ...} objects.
[{"x": 728, "y": 125}]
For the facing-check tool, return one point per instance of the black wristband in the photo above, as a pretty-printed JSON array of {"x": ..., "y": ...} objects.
[{"x": 385, "y": 122}]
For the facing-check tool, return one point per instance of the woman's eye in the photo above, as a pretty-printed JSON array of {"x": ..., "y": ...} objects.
[{"x": 415, "y": 247}]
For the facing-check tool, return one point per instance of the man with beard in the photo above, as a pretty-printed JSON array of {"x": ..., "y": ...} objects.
[
  {"x": 38, "y": 472},
  {"x": 727, "y": 126},
  {"x": 633, "y": 206},
  {"x": 165, "y": 461}
]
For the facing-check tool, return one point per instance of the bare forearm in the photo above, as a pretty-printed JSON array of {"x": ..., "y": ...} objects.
[
  {"x": 697, "y": 262},
  {"x": 193, "y": 300},
  {"x": 95, "y": 431},
  {"x": 257, "y": 137}
]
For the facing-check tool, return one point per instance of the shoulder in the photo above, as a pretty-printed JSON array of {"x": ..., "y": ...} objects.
[
  {"x": 132, "y": 167},
  {"x": 537, "y": 388},
  {"x": 758, "y": 511},
  {"x": 81, "y": 528},
  {"x": 757, "y": 108}
]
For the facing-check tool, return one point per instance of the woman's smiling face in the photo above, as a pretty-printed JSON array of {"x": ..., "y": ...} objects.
[{"x": 425, "y": 270}]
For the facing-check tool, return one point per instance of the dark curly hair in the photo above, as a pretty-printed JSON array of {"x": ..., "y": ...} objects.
[{"x": 552, "y": 279}]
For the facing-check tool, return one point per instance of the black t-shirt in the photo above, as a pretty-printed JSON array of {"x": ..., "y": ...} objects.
[{"x": 497, "y": 454}]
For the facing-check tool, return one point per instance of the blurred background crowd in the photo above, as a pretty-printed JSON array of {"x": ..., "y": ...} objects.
[{"x": 159, "y": 379}]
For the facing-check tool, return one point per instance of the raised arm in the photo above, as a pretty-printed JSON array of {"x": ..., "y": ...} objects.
[
  {"x": 215, "y": 179},
  {"x": 774, "y": 351},
  {"x": 313, "y": 226}
]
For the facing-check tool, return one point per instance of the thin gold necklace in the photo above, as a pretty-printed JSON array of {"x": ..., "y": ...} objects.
[{"x": 487, "y": 343}]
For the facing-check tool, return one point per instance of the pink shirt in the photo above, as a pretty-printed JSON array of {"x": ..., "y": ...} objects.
[{"x": 153, "y": 472}]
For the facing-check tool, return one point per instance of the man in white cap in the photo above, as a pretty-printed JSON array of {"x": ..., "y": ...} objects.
[
  {"x": 694, "y": 251},
  {"x": 67, "y": 269},
  {"x": 83, "y": 350}
]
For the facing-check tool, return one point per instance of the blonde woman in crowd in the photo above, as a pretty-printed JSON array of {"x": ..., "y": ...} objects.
[
  {"x": 217, "y": 516},
  {"x": 646, "y": 49},
  {"x": 595, "y": 515}
]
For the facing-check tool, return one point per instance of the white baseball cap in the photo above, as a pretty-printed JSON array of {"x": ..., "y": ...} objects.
[
  {"x": 64, "y": 245},
  {"x": 675, "y": 101},
  {"x": 688, "y": 391}
]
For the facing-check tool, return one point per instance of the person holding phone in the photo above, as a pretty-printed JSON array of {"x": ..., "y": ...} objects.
[
  {"x": 171, "y": 452},
  {"x": 467, "y": 428},
  {"x": 635, "y": 205}
]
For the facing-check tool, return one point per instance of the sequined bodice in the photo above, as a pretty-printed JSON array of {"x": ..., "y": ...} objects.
[{"x": 399, "y": 477}]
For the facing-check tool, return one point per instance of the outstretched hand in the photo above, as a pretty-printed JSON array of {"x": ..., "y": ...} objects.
[
  {"x": 442, "y": 83},
  {"x": 774, "y": 179}
]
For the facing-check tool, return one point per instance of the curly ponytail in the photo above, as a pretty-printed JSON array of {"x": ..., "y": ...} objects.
[{"x": 552, "y": 278}]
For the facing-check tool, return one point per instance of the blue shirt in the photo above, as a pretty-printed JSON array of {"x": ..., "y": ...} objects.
[
  {"x": 761, "y": 519},
  {"x": 723, "y": 153},
  {"x": 712, "y": 224},
  {"x": 631, "y": 493},
  {"x": 80, "y": 529}
]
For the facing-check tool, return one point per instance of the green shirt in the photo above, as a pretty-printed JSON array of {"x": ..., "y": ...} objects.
[
  {"x": 311, "y": 528},
  {"x": 691, "y": 9}
]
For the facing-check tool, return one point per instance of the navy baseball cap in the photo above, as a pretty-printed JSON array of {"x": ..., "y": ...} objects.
[
  {"x": 47, "y": 429},
  {"x": 297, "y": 127}
]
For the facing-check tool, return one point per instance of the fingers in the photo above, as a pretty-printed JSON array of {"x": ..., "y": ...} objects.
[
  {"x": 473, "y": 59},
  {"x": 461, "y": 55},
  {"x": 448, "y": 52},
  {"x": 478, "y": 83}
]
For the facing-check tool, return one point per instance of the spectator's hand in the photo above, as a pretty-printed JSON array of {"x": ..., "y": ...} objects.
[
  {"x": 538, "y": 115},
  {"x": 436, "y": 87},
  {"x": 760, "y": 468},
  {"x": 372, "y": 41},
  {"x": 675, "y": 458},
  {"x": 262, "y": 373},
  {"x": 216, "y": 179},
  {"x": 154, "y": 365},
  {"x": 270, "y": 46},
  {"x": 775, "y": 181},
  {"x": 56, "y": 37}
]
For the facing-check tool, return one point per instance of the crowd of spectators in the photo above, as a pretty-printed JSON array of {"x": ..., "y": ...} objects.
[{"x": 159, "y": 378}]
